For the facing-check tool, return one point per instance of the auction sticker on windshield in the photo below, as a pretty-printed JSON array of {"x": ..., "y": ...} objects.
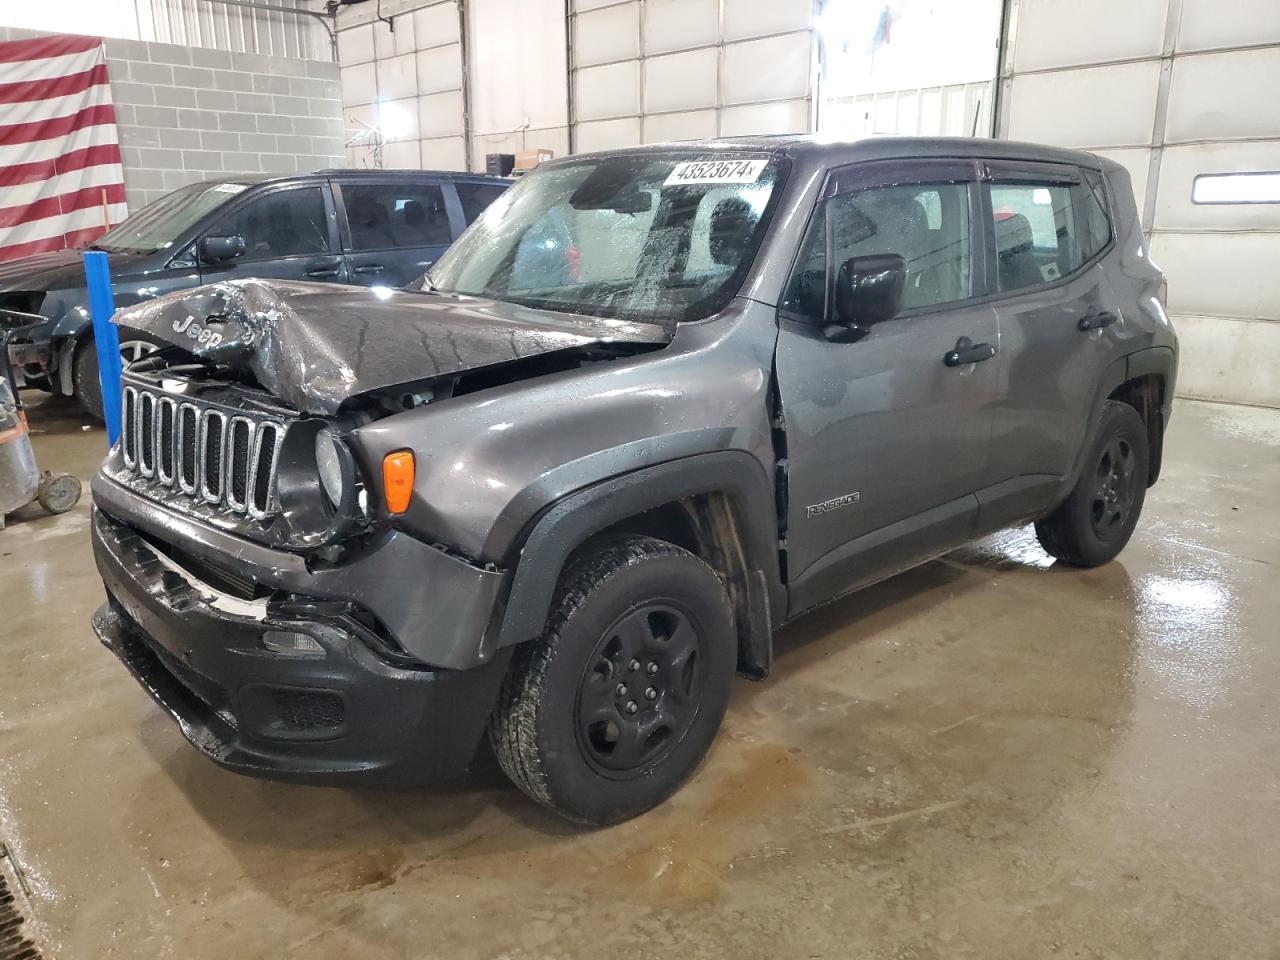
[{"x": 712, "y": 170}]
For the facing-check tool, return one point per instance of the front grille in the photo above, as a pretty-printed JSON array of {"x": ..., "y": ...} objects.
[{"x": 225, "y": 459}]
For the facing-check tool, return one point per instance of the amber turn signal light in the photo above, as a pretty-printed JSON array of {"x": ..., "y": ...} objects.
[{"x": 397, "y": 480}]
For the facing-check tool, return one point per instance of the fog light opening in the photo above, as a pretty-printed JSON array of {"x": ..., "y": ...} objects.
[{"x": 292, "y": 644}]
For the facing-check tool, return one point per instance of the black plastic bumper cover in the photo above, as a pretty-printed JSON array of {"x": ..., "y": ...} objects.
[{"x": 238, "y": 702}]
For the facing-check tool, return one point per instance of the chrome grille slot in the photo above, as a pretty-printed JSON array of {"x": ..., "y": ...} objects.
[
  {"x": 129, "y": 428},
  {"x": 211, "y": 453},
  {"x": 146, "y": 435},
  {"x": 213, "y": 448}
]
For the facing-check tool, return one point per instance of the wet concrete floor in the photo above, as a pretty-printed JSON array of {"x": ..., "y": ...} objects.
[{"x": 987, "y": 757}]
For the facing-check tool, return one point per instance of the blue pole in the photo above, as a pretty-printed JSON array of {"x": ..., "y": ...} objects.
[{"x": 105, "y": 338}]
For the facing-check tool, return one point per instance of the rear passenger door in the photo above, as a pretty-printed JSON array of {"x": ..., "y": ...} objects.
[
  {"x": 474, "y": 197},
  {"x": 1047, "y": 230},
  {"x": 393, "y": 230}
]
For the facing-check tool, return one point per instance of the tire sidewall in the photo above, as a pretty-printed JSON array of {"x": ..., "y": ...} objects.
[
  {"x": 575, "y": 785},
  {"x": 1118, "y": 420}
]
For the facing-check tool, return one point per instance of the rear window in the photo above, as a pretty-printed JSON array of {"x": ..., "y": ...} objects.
[
  {"x": 386, "y": 216},
  {"x": 474, "y": 197}
]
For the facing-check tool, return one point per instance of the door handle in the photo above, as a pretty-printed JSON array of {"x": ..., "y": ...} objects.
[
  {"x": 369, "y": 268},
  {"x": 1098, "y": 320},
  {"x": 325, "y": 268},
  {"x": 966, "y": 351}
]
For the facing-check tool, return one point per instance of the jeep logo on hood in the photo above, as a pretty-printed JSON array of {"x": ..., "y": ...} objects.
[{"x": 199, "y": 332}]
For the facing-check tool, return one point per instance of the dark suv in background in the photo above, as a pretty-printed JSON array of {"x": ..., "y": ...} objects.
[{"x": 368, "y": 227}]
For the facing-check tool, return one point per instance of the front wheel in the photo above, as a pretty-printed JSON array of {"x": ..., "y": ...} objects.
[
  {"x": 134, "y": 345},
  {"x": 1096, "y": 520},
  {"x": 607, "y": 714}
]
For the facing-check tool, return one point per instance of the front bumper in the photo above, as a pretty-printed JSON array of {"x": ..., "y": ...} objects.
[{"x": 348, "y": 714}]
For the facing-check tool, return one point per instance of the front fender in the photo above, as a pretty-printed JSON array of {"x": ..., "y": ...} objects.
[{"x": 572, "y": 519}]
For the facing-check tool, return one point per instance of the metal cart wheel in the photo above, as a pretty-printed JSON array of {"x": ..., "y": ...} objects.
[{"x": 58, "y": 492}]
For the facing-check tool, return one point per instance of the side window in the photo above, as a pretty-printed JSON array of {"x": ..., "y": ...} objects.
[
  {"x": 287, "y": 223},
  {"x": 806, "y": 292},
  {"x": 1037, "y": 238},
  {"x": 384, "y": 216},
  {"x": 897, "y": 220},
  {"x": 1094, "y": 198},
  {"x": 474, "y": 197}
]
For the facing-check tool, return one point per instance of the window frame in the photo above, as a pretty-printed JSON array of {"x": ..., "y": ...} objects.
[
  {"x": 873, "y": 174},
  {"x": 451, "y": 205},
  {"x": 1045, "y": 174},
  {"x": 229, "y": 212}
]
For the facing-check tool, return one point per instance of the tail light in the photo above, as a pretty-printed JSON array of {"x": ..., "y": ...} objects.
[{"x": 1163, "y": 295}]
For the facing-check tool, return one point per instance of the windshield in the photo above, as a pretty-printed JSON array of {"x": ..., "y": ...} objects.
[
  {"x": 659, "y": 237},
  {"x": 158, "y": 225}
]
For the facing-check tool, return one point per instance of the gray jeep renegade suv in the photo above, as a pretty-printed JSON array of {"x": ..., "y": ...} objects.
[{"x": 653, "y": 404}]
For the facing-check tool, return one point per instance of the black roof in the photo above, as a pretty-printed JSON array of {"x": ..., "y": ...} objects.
[{"x": 250, "y": 179}]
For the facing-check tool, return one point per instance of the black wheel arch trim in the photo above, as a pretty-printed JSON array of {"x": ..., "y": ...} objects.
[{"x": 568, "y": 522}]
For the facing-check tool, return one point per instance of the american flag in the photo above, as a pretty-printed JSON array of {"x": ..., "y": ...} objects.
[{"x": 61, "y": 183}]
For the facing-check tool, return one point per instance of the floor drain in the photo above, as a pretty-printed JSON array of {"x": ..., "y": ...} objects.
[{"x": 14, "y": 943}]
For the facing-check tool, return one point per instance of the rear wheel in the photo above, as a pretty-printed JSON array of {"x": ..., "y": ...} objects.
[
  {"x": 607, "y": 714},
  {"x": 1096, "y": 520}
]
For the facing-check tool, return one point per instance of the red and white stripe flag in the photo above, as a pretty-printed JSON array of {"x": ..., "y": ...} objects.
[{"x": 61, "y": 183}]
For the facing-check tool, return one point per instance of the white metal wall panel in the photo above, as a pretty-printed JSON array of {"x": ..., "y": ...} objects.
[
  {"x": 680, "y": 24},
  {"x": 1211, "y": 24},
  {"x": 440, "y": 115},
  {"x": 404, "y": 155},
  {"x": 1096, "y": 107},
  {"x": 680, "y": 81},
  {"x": 448, "y": 153},
  {"x": 772, "y": 69},
  {"x": 1181, "y": 165},
  {"x": 606, "y": 134},
  {"x": 1224, "y": 96},
  {"x": 582, "y": 6},
  {"x": 608, "y": 35},
  {"x": 436, "y": 25},
  {"x": 788, "y": 116},
  {"x": 609, "y": 91},
  {"x": 355, "y": 45},
  {"x": 696, "y": 125},
  {"x": 1229, "y": 358},
  {"x": 439, "y": 69},
  {"x": 760, "y": 18},
  {"x": 359, "y": 84},
  {"x": 1220, "y": 274},
  {"x": 398, "y": 77},
  {"x": 1059, "y": 33}
]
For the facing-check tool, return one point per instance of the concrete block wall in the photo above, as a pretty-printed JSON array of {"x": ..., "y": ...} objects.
[{"x": 188, "y": 113}]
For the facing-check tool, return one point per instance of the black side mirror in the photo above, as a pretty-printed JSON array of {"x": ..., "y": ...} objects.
[
  {"x": 221, "y": 249},
  {"x": 868, "y": 291}
]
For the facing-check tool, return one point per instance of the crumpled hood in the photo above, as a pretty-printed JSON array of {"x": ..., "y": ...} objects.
[{"x": 314, "y": 345}]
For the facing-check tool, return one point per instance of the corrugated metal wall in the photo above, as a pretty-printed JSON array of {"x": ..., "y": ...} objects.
[
  {"x": 195, "y": 23},
  {"x": 1173, "y": 89}
]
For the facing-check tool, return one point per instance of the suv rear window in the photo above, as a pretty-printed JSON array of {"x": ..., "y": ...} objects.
[
  {"x": 385, "y": 216},
  {"x": 474, "y": 197},
  {"x": 1045, "y": 231}
]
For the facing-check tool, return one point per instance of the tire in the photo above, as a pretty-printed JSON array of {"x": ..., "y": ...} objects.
[
  {"x": 607, "y": 714},
  {"x": 1096, "y": 520},
  {"x": 84, "y": 371}
]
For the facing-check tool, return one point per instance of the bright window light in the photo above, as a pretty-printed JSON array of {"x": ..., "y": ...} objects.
[
  {"x": 1236, "y": 188},
  {"x": 393, "y": 120}
]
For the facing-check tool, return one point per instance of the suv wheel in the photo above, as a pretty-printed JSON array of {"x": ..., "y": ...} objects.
[
  {"x": 1096, "y": 520},
  {"x": 84, "y": 371},
  {"x": 607, "y": 714}
]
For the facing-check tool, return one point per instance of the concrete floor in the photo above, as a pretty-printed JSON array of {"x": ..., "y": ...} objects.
[{"x": 987, "y": 757}]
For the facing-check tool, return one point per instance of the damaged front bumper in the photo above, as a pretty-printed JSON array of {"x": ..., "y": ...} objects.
[{"x": 336, "y": 707}]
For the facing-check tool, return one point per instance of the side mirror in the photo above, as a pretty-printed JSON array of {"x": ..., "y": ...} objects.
[
  {"x": 868, "y": 291},
  {"x": 221, "y": 249}
]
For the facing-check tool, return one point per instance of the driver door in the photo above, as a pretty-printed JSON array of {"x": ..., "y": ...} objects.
[
  {"x": 886, "y": 443},
  {"x": 289, "y": 233}
]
